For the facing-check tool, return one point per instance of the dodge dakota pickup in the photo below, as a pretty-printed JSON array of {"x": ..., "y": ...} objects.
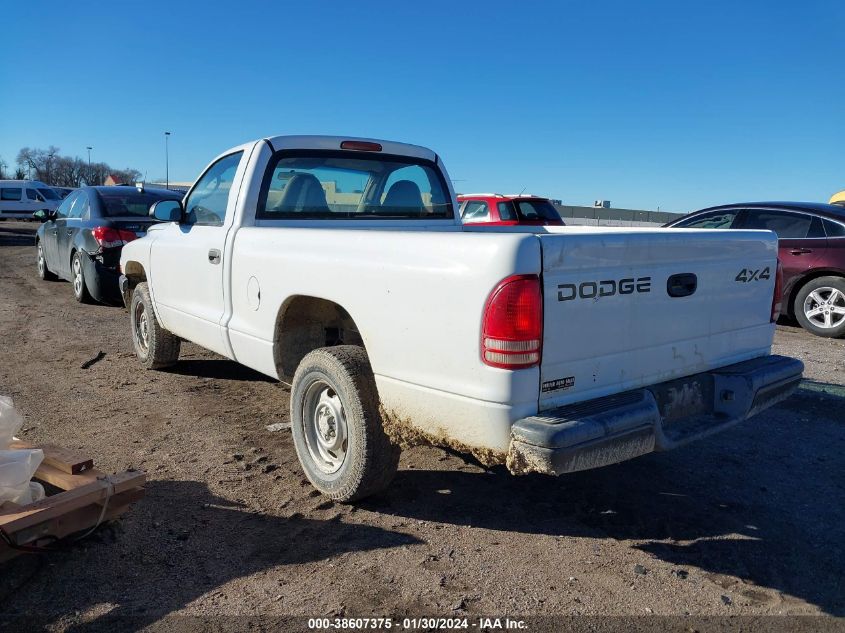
[{"x": 340, "y": 267}]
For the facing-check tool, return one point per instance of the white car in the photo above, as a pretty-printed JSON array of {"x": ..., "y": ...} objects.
[
  {"x": 21, "y": 198},
  {"x": 340, "y": 266}
]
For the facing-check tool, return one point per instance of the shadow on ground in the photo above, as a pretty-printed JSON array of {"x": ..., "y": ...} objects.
[
  {"x": 217, "y": 368},
  {"x": 763, "y": 503},
  {"x": 204, "y": 542}
]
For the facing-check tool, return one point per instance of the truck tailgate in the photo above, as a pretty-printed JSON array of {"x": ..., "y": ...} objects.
[{"x": 625, "y": 308}]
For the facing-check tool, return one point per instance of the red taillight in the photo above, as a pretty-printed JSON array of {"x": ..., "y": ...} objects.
[
  {"x": 361, "y": 146},
  {"x": 777, "y": 297},
  {"x": 107, "y": 237},
  {"x": 512, "y": 329}
]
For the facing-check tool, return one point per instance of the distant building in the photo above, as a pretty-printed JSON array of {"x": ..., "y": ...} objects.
[
  {"x": 173, "y": 186},
  {"x": 112, "y": 180}
]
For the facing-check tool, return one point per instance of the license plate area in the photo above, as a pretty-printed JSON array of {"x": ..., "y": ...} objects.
[{"x": 684, "y": 398}]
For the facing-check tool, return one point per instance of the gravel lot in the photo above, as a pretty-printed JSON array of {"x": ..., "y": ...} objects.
[{"x": 748, "y": 522}]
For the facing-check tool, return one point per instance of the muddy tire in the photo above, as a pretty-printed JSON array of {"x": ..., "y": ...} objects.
[
  {"x": 820, "y": 306},
  {"x": 336, "y": 425},
  {"x": 155, "y": 347},
  {"x": 41, "y": 261}
]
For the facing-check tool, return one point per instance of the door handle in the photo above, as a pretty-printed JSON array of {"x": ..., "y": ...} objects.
[
  {"x": 801, "y": 251},
  {"x": 214, "y": 256}
]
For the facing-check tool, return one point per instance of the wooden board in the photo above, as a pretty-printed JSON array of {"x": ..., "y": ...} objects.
[
  {"x": 60, "y": 458},
  {"x": 77, "y": 508},
  {"x": 50, "y": 507}
]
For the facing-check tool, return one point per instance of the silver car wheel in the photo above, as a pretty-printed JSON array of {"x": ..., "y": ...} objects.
[
  {"x": 78, "y": 281},
  {"x": 825, "y": 307},
  {"x": 42, "y": 267}
]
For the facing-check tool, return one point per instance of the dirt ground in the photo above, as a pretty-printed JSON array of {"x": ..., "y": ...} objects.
[{"x": 747, "y": 522}]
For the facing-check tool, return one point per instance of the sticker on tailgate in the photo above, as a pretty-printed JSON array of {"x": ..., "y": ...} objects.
[{"x": 559, "y": 384}]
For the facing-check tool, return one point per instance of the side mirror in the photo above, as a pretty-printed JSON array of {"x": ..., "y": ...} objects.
[
  {"x": 41, "y": 215},
  {"x": 167, "y": 211}
]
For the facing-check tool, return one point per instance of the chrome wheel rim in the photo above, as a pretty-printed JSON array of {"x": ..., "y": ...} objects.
[
  {"x": 77, "y": 276},
  {"x": 142, "y": 328},
  {"x": 325, "y": 427},
  {"x": 825, "y": 307},
  {"x": 41, "y": 265}
]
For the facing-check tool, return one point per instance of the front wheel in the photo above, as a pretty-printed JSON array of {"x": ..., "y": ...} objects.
[
  {"x": 336, "y": 424},
  {"x": 44, "y": 272},
  {"x": 820, "y": 306},
  {"x": 155, "y": 347}
]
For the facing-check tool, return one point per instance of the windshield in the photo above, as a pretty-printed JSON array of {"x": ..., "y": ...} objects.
[
  {"x": 536, "y": 210},
  {"x": 115, "y": 205},
  {"x": 347, "y": 185},
  {"x": 48, "y": 194}
]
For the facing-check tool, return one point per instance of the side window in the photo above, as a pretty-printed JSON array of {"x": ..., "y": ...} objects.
[
  {"x": 11, "y": 193},
  {"x": 720, "y": 220},
  {"x": 476, "y": 211},
  {"x": 31, "y": 194},
  {"x": 816, "y": 228},
  {"x": 65, "y": 206},
  {"x": 787, "y": 225},
  {"x": 80, "y": 206},
  {"x": 208, "y": 200},
  {"x": 834, "y": 229},
  {"x": 506, "y": 211}
]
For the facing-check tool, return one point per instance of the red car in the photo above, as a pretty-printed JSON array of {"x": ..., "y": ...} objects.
[
  {"x": 811, "y": 250},
  {"x": 503, "y": 210}
]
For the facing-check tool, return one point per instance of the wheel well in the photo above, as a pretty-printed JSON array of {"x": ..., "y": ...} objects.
[
  {"x": 135, "y": 273},
  {"x": 796, "y": 287},
  {"x": 308, "y": 323}
]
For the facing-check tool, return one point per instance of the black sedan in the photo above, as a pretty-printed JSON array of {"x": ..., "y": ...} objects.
[{"x": 81, "y": 241}]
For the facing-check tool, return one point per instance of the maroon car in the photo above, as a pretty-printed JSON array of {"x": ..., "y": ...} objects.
[{"x": 811, "y": 250}]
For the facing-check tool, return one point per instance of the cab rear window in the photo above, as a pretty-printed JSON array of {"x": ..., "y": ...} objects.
[{"x": 352, "y": 186}]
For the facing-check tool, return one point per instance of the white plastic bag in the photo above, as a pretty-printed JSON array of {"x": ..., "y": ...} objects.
[
  {"x": 16, "y": 469},
  {"x": 10, "y": 422}
]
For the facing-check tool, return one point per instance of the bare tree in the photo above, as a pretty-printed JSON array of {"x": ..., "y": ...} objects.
[
  {"x": 66, "y": 171},
  {"x": 3, "y": 166}
]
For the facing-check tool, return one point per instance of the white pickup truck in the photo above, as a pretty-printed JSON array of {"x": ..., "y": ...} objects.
[{"x": 340, "y": 266}]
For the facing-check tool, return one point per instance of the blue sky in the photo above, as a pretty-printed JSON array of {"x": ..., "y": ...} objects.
[{"x": 674, "y": 104}]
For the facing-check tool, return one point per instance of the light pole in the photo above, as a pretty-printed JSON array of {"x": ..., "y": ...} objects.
[
  {"x": 88, "y": 179},
  {"x": 166, "y": 161}
]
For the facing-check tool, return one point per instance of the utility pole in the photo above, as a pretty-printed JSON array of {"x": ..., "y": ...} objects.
[
  {"x": 88, "y": 179},
  {"x": 166, "y": 161}
]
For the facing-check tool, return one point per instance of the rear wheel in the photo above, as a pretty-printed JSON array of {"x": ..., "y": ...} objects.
[
  {"x": 44, "y": 272},
  {"x": 337, "y": 427},
  {"x": 77, "y": 276},
  {"x": 155, "y": 347},
  {"x": 820, "y": 306}
]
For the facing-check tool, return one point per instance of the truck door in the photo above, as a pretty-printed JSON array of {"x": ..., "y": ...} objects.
[{"x": 186, "y": 259}]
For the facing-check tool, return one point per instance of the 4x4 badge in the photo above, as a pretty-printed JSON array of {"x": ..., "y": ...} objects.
[{"x": 746, "y": 275}]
